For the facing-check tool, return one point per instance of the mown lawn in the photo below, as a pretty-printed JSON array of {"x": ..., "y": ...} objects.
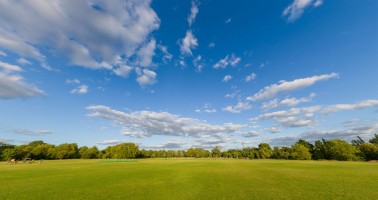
[{"x": 189, "y": 179}]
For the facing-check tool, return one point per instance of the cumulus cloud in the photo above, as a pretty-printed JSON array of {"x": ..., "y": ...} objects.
[
  {"x": 123, "y": 70},
  {"x": 273, "y": 90},
  {"x": 366, "y": 131},
  {"x": 360, "y": 105},
  {"x": 250, "y": 77},
  {"x": 110, "y": 142},
  {"x": 149, "y": 123},
  {"x": 240, "y": 106},
  {"x": 146, "y": 53},
  {"x": 228, "y": 60},
  {"x": 193, "y": 13},
  {"x": 227, "y": 78},
  {"x": 82, "y": 89},
  {"x": 146, "y": 77},
  {"x": 286, "y": 102},
  {"x": 93, "y": 34},
  {"x": 31, "y": 132},
  {"x": 295, "y": 10},
  {"x": 188, "y": 43},
  {"x": 294, "y": 117}
]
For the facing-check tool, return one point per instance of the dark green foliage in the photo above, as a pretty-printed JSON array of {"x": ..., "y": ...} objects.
[
  {"x": 374, "y": 140},
  {"x": 302, "y": 150}
]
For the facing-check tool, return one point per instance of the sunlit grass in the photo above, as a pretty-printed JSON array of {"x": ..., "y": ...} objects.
[{"x": 189, "y": 179}]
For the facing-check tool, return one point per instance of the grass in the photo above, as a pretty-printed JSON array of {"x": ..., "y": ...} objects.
[{"x": 189, "y": 179}]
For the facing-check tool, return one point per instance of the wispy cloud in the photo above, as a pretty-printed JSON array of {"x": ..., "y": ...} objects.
[
  {"x": 273, "y": 90},
  {"x": 360, "y": 105},
  {"x": 295, "y": 10},
  {"x": 110, "y": 142},
  {"x": 239, "y": 107},
  {"x": 13, "y": 86},
  {"x": 31, "y": 132},
  {"x": 193, "y": 13},
  {"x": 228, "y": 60}
]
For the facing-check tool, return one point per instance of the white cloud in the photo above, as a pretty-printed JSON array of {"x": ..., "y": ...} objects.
[
  {"x": 251, "y": 134},
  {"x": 73, "y": 81},
  {"x": 13, "y": 86},
  {"x": 294, "y": 117},
  {"x": 146, "y": 77},
  {"x": 295, "y": 10},
  {"x": 207, "y": 108},
  {"x": 172, "y": 144},
  {"x": 240, "y": 106},
  {"x": 188, "y": 43},
  {"x": 108, "y": 30},
  {"x": 110, "y": 142},
  {"x": 344, "y": 134},
  {"x": 10, "y": 67},
  {"x": 227, "y": 20},
  {"x": 360, "y": 105},
  {"x": 193, "y": 13},
  {"x": 31, "y": 132},
  {"x": 318, "y": 3},
  {"x": 250, "y": 77},
  {"x": 148, "y": 123},
  {"x": 211, "y": 44},
  {"x": 146, "y": 52},
  {"x": 23, "y": 61},
  {"x": 198, "y": 64},
  {"x": 227, "y": 78},
  {"x": 273, "y": 129},
  {"x": 167, "y": 56},
  {"x": 82, "y": 89},
  {"x": 123, "y": 70},
  {"x": 273, "y": 90},
  {"x": 228, "y": 60},
  {"x": 286, "y": 102},
  {"x": 3, "y": 54}
]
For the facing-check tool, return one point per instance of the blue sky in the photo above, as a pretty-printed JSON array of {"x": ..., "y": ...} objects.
[{"x": 178, "y": 74}]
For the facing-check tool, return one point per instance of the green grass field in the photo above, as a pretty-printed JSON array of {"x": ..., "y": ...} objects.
[{"x": 189, "y": 179}]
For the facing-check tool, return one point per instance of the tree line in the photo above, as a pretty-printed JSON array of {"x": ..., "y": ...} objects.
[{"x": 335, "y": 149}]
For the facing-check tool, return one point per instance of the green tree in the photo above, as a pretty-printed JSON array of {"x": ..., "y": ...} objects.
[
  {"x": 341, "y": 150},
  {"x": 8, "y": 153},
  {"x": 374, "y": 140},
  {"x": 67, "y": 151},
  {"x": 300, "y": 152},
  {"x": 216, "y": 152},
  {"x": 42, "y": 151},
  {"x": 369, "y": 151},
  {"x": 265, "y": 151}
]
